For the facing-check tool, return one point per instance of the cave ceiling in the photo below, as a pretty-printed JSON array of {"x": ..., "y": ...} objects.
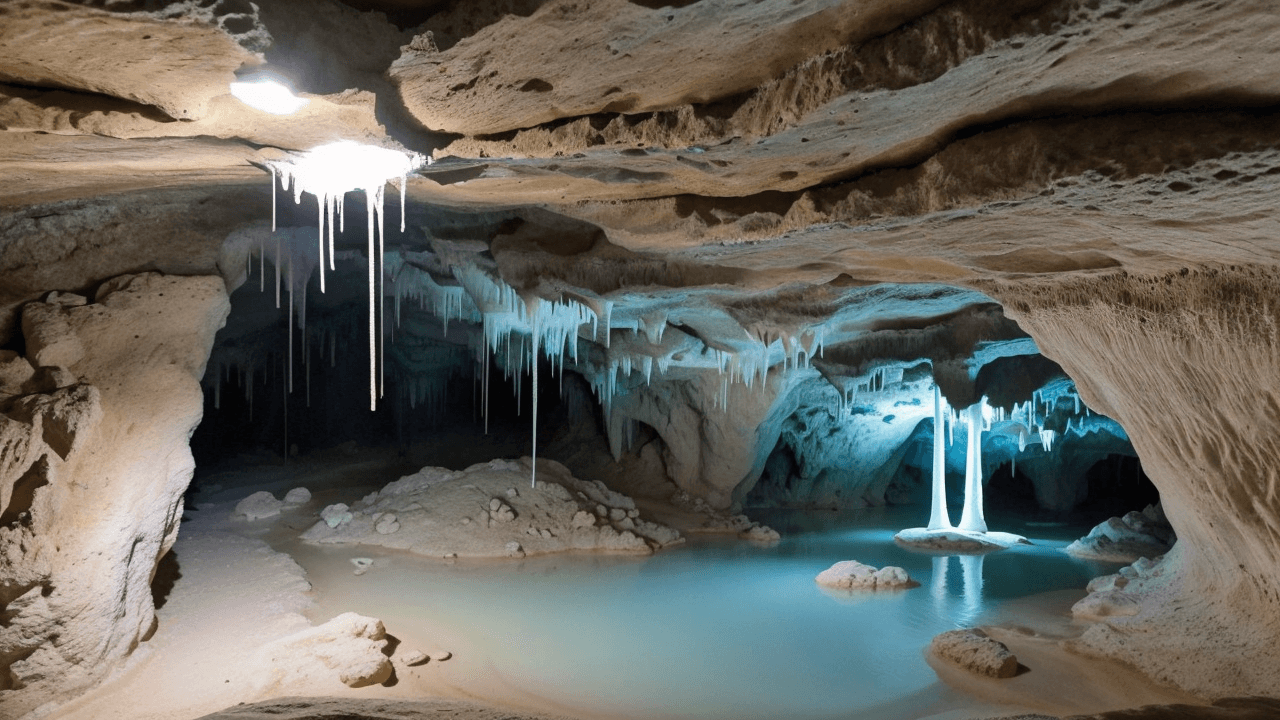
[{"x": 612, "y": 146}]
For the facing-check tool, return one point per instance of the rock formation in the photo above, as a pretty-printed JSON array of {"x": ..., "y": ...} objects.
[
  {"x": 94, "y": 470},
  {"x": 741, "y": 226},
  {"x": 975, "y": 652},
  {"x": 489, "y": 510}
]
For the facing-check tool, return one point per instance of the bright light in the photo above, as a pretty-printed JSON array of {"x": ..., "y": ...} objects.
[
  {"x": 269, "y": 96},
  {"x": 329, "y": 172},
  {"x": 343, "y": 166}
]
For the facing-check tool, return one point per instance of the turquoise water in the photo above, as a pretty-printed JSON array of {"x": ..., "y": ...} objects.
[{"x": 718, "y": 628}]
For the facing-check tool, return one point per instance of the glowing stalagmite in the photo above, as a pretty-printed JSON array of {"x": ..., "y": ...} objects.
[
  {"x": 971, "y": 520},
  {"x": 938, "y": 518}
]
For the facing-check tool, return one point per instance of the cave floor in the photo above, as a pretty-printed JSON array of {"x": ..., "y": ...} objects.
[{"x": 717, "y": 628}]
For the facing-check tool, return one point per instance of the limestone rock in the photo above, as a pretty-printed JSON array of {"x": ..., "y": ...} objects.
[
  {"x": 50, "y": 338},
  {"x": 257, "y": 506},
  {"x": 297, "y": 496},
  {"x": 1125, "y": 539},
  {"x": 120, "y": 430},
  {"x": 500, "y": 512},
  {"x": 386, "y": 524},
  {"x": 972, "y": 650},
  {"x": 15, "y": 372},
  {"x": 1107, "y": 603},
  {"x": 438, "y": 513},
  {"x": 335, "y": 515},
  {"x": 414, "y": 657},
  {"x": 853, "y": 575},
  {"x": 761, "y": 534},
  {"x": 346, "y": 649},
  {"x": 146, "y": 65}
]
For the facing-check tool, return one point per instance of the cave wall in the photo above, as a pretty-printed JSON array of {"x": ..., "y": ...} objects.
[
  {"x": 94, "y": 421},
  {"x": 1189, "y": 363}
]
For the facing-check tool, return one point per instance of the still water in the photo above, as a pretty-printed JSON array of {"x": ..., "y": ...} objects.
[{"x": 718, "y": 628}]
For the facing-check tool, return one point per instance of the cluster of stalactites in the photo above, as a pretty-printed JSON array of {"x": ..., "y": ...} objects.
[
  {"x": 850, "y": 391},
  {"x": 328, "y": 173}
]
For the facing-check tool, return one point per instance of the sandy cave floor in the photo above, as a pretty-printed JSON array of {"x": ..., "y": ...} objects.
[{"x": 228, "y": 590}]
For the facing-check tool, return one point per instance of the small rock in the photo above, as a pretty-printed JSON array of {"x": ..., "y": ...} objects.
[
  {"x": 514, "y": 549},
  {"x": 387, "y": 524},
  {"x": 335, "y": 515},
  {"x": 583, "y": 519},
  {"x": 1107, "y": 603},
  {"x": 362, "y": 565},
  {"x": 975, "y": 652},
  {"x": 602, "y": 511},
  {"x": 65, "y": 299},
  {"x": 466, "y": 521},
  {"x": 853, "y": 575},
  {"x": 441, "y": 655},
  {"x": 762, "y": 534},
  {"x": 297, "y": 496},
  {"x": 500, "y": 511},
  {"x": 617, "y": 514},
  {"x": 633, "y": 513},
  {"x": 511, "y": 492},
  {"x": 415, "y": 657},
  {"x": 259, "y": 505}
]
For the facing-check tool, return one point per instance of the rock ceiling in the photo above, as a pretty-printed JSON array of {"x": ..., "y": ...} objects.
[{"x": 892, "y": 140}]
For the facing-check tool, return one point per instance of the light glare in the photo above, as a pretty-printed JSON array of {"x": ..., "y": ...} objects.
[{"x": 269, "y": 96}]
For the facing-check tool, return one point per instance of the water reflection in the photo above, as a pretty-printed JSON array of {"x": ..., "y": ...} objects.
[
  {"x": 969, "y": 604},
  {"x": 715, "y": 630}
]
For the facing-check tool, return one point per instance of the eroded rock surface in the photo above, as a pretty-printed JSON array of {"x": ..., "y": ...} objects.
[
  {"x": 853, "y": 575},
  {"x": 1187, "y": 363},
  {"x": 78, "y": 556},
  {"x": 975, "y": 652},
  {"x": 1125, "y": 539},
  {"x": 489, "y": 510}
]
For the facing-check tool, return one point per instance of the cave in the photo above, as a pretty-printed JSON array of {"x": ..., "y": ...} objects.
[{"x": 595, "y": 359}]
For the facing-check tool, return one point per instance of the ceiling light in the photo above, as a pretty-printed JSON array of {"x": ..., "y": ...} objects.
[{"x": 268, "y": 95}]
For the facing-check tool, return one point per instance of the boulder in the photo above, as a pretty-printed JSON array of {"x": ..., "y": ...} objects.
[
  {"x": 347, "y": 649},
  {"x": 257, "y": 506},
  {"x": 297, "y": 496},
  {"x": 853, "y": 575},
  {"x": 973, "y": 651}
]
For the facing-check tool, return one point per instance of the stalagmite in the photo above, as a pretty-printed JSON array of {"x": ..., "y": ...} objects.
[
  {"x": 971, "y": 520},
  {"x": 938, "y": 517}
]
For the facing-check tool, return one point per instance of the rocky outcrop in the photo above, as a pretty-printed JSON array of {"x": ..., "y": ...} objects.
[
  {"x": 175, "y": 59},
  {"x": 94, "y": 466},
  {"x": 1187, "y": 363},
  {"x": 489, "y": 510},
  {"x": 1125, "y": 539}
]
